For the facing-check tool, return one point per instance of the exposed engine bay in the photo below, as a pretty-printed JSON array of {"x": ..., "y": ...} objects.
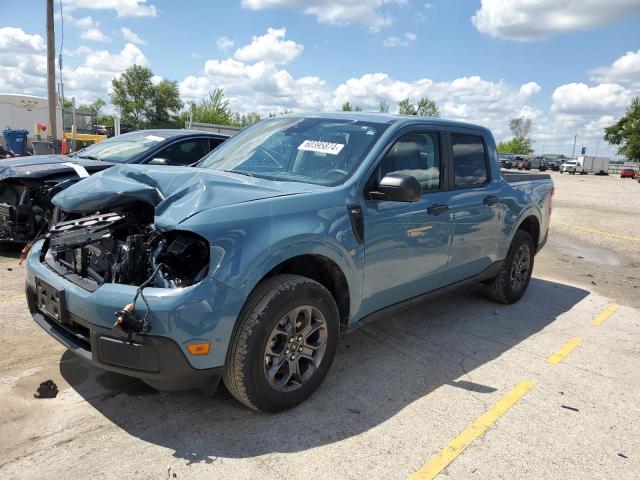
[{"x": 124, "y": 247}]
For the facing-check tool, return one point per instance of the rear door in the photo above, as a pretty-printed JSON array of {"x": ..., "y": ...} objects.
[
  {"x": 407, "y": 244},
  {"x": 478, "y": 211}
]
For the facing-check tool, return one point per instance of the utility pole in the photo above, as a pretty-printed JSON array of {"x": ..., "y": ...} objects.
[
  {"x": 52, "y": 131},
  {"x": 573, "y": 154}
]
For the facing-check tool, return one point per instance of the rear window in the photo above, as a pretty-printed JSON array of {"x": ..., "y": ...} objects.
[{"x": 469, "y": 160}]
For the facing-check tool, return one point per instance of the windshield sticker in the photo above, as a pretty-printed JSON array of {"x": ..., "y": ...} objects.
[
  {"x": 154, "y": 138},
  {"x": 321, "y": 147}
]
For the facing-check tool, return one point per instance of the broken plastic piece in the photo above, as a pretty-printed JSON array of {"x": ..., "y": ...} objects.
[{"x": 47, "y": 389}]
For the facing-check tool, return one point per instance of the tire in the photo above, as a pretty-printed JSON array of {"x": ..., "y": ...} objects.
[
  {"x": 259, "y": 333},
  {"x": 503, "y": 288}
]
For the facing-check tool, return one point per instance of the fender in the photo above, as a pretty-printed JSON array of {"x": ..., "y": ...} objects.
[{"x": 306, "y": 245}]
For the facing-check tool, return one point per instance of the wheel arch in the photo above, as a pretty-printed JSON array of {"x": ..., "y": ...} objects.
[{"x": 530, "y": 224}]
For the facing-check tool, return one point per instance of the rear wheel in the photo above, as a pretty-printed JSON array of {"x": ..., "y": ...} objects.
[
  {"x": 512, "y": 280},
  {"x": 285, "y": 342}
]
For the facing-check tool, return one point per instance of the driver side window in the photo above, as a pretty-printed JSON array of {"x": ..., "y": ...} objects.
[
  {"x": 186, "y": 152},
  {"x": 417, "y": 154}
]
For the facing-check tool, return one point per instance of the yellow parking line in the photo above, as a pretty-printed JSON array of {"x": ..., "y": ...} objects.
[
  {"x": 606, "y": 313},
  {"x": 593, "y": 230},
  {"x": 449, "y": 453},
  {"x": 565, "y": 350},
  {"x": 12, "y": 298}
]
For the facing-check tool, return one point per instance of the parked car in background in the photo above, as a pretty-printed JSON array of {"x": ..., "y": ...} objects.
[
  {"x": 505, "y": 161},
  {"x": 627, "y": 173},
  {"x": 571, "y": 167},
  {"x": 6, "y": 152},
  {"x": 248, "y": 266},
  {"x": 553, "y": 165},
  {"x": 27, "y": 184},
  {"x": 103, "y": 130}
]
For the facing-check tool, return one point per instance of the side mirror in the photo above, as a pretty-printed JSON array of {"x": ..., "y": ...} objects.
[
  {"x": 398, "y": 187},
  {"x": 159, "y": 161}
]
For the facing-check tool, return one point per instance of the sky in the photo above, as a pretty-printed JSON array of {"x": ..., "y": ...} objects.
[{"x": 571, "y": 66}]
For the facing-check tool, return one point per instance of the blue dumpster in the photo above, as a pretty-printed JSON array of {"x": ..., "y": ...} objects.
[{"x": 16, "y": 140}]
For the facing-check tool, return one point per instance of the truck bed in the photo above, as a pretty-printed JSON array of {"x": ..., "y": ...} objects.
[{"x": 514, "y": 177}]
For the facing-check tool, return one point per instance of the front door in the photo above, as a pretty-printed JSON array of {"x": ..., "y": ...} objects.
[{"x": 407, "y": 244}]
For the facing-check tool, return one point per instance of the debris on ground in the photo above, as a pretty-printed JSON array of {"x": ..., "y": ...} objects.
[
  {"x": 573, "y": 409},
  {"x": 622, "y": 455},
  {"x": 47, "y": 389}
]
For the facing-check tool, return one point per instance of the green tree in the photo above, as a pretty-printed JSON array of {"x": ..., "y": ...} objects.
[
  {"x": 245, "y": 119},
  {"x": 347, "y": 107},
  {"x": 213, "y": 109},
  {"x": 521, "y": 141},
  {"x": 520, "y": 127},
  {"x": 428, "y": 108},
  {"x": 625, "y": 133},
  {"x": 515, "y": 145},
  {"x": 281, "y": 112},
  {"x": 383, "y": 107},
  {"x": 133, "y": 94},
  {"x": 405, "y": 107},
  {"x": 165, "y": 103}
]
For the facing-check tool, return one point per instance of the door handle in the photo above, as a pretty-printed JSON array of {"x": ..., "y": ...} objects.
[
  {"x": 437, "y": 209},
  {"x": 491, "y": 200}
]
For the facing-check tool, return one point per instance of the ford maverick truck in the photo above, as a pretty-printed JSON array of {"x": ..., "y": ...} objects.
[{"x": 248, "y": 267}]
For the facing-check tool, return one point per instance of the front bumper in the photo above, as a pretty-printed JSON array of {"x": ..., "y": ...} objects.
[{"x": 205, "y": 311}]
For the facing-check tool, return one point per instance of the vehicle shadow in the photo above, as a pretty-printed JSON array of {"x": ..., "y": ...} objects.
[{"x": 379, "y": 370}]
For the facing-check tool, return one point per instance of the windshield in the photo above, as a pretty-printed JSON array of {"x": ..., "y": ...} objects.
[
  {"x": 123, "y": 148},
  {"x": 311, "y": 150}
]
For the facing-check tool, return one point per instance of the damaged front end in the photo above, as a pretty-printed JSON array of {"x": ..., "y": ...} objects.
[{"x": 124, "y": 247}]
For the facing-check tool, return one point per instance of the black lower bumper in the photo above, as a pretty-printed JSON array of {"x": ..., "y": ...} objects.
[{"x": 158, "y": 361}]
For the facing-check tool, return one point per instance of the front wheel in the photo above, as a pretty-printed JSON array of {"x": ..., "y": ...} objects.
[
  {"x": 286, "y": 339},
  {"x": 512, "y": 280}
]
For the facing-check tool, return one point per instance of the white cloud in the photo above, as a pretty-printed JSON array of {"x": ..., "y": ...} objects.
[
  {"x": 85, "y": 22},
  {"x": 123, "y": 8},
  {"x": 579, "y": 98},
  {"x": 20, "y": 42},
  {"x": 527, "y": 20},
  {"x": 394, "y": 41},
  {"x": 23, "y": 63},
  {"x": 87, "y": 75},
  {"x": 95, "y": 35},
  {"x": 131, "y": 37},
  {"x": 335, "y": 12},
  {"x": 270, "y": 47},
  {"x": 625, "y": 69},
  {"x": 529, "y": 89},
  {"x": 224, "y": 44},
  {"x": 92, "y": 78}
]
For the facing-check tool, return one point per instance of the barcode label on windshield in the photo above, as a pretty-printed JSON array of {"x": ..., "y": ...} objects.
[{"x": 321, "y": 147}]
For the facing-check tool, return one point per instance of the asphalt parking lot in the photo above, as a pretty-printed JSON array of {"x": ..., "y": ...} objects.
[{"x": 545, "y": 387}]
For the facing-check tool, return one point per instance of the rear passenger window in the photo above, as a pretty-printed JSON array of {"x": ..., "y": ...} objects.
[
  {"x": 416, "y": 154},
  {"x": 469, "y": 160}
]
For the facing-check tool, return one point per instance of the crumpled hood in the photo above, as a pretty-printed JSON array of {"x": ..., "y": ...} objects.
[
  {"x": 177, "y": 193},
  {"x": 39, "y": 166}
]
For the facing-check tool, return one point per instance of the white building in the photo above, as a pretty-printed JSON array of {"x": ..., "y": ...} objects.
[{"x": 25, "y": 111}]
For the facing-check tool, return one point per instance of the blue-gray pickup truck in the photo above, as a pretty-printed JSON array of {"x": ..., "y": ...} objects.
[{"x": 248, "y": 267}]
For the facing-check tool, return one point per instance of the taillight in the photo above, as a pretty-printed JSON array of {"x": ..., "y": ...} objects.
[{"x": 553, "y": 190}]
